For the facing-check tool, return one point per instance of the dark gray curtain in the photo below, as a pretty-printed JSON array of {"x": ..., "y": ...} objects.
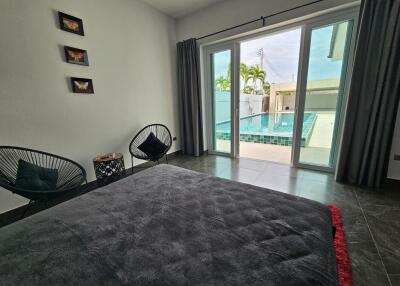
[
  {"x": 190, "y": 98},
  {"x": 374, "y": 96}
]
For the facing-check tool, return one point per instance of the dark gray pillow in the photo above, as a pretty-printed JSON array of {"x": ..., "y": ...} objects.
[
  {"x": 152, "y": 146},
  {"x": 36, "y": 178}
]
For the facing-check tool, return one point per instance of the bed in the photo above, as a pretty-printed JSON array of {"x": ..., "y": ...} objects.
[{"x": 171, "y": 226}]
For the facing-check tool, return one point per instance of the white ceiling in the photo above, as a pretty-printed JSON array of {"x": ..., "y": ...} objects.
[{"x": 179, "y": 8}]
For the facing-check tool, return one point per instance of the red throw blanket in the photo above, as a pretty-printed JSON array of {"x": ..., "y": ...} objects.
[{"x": 342, "y": 255}]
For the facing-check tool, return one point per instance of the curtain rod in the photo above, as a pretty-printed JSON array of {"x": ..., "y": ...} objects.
[{"x": 262, "y": 18}]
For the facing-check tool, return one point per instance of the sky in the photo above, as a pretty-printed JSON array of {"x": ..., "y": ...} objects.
[{"x": 281, "y": 56}]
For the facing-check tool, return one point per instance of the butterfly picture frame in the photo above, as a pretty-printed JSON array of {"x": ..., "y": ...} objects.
[
  {"x": 71, "y": 24},
  {"x": 76, "y": 56},
  {"x": 82, "y": 85}
]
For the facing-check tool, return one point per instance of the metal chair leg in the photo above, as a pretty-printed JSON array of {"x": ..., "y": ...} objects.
[
  {"x": 26, "y": 209},
  {"x": 166, "y": 158}
]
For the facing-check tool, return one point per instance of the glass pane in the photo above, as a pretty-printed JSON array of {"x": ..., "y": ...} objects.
[
  {"x": 222, "y": 98},
  {"x": 325, "y": 85},
  {"x": 268, "y": 82}
]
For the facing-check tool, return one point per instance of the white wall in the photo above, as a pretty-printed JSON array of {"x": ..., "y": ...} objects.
[
  {"x": 394, "y": 166},
  {"x": 234, "y": 12},
  {"x": 131, "y": 51},
  {"x": 250, "y": 104}
]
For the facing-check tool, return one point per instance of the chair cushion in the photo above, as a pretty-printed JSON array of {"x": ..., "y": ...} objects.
[
  {"x": 152, "y": 146},
  {"x": 36, "y": 178}
]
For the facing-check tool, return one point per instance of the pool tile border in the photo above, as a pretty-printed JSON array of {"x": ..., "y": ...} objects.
[{"x": 263, "y": 139}]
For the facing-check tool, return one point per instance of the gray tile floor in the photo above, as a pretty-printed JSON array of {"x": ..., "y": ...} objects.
[{"x": 371, "y": 220}]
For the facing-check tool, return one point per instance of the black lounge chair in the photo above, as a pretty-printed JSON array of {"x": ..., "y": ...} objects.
[
  {"x": 161, "y": 132},
  {"x": 71, "y": 175}
]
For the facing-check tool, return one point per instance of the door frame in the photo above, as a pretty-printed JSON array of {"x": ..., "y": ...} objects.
[
  {"x": 207, "y": 49},
  {"x": 350, "y": 15},
  {"x": 235, "y": 86}
]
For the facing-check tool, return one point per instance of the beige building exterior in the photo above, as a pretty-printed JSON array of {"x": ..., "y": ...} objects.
[{"x": 321, "y": 95}]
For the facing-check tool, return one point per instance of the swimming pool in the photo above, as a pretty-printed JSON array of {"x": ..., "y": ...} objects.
[{"x": 269, "y": 128}]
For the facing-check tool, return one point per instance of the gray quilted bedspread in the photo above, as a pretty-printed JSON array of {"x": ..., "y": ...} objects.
[{"x": 171, "y": 226}]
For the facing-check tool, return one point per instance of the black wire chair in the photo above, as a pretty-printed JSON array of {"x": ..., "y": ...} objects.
[
  {"x": 70, "y": 174},
  {"x": 161, "y": 132}
]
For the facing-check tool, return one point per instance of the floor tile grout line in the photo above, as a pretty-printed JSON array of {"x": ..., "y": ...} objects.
[{"x": 373, "y": 238}]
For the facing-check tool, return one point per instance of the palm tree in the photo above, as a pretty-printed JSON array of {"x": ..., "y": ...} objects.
[
  {"x": 222, "y": 83},
  {"x": 247, "y": 89},
  {"x": 244, "y": 73},
  {"x": 257, "y": 74}
]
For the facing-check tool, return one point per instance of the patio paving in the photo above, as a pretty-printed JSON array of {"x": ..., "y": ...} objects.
[{"x": 267, "y": 152}]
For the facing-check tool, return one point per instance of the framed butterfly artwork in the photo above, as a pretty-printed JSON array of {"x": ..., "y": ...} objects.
[
  {"x": 76, "y": 56},
  {"x": 82, "y": 85},
  {"x": 71, "y": 24}
]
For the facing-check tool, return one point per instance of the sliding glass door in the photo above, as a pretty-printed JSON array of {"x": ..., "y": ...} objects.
[
  {"x": 325, "y": 69},
  {"x": 279, "y": 95}
]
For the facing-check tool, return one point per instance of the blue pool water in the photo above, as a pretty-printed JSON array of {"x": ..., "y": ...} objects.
[
  {"x": 272, "y": 128},
  {"x": 272, "y": 124}
]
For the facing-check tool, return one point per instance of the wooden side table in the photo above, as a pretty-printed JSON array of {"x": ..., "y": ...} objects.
[{"x": 109, "y": 168}]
